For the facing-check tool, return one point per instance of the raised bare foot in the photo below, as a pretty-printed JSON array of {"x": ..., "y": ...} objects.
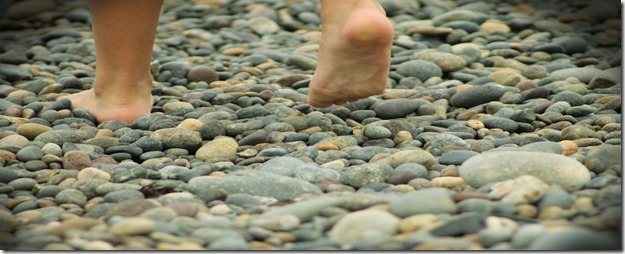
[
  {"x": 119, "y": 105},
  {"x": 354, "y": 53}
]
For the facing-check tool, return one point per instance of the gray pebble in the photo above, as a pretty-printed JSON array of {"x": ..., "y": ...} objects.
[
  {"x": 575, "y": 239},
  {"x": 432, "y": 200},
  {"x": 122, "y": 195},
  {"x": 551, "y": 168},
  {"x": 476, "y": 95},
  {"x": 71, "y": 196},
  {"x": 456, "y": 157},
  {"x": 423, "y": 70}
]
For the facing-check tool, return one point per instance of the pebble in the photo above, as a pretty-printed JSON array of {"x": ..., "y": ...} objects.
[
  {"x": 551, "y": 168},
  {"x": 607, "y": 78},
  {"x": 232, "y": 158},
  {"x": 421, "y": 69},
  {"x": 363, "y": 225},
  {"x": 582, "y": 74},
  {"x": 446, "y": 61},
  {"x": 28, "y": 8},
  {"x": 396, "y": 108},
  {"x": 217, "y": 149},
  {"x": 406, "y": 172},
  {"x": 60, "y": 137},
  {"x": 76, "y": 160},
  {"x": 501, "y": 123},
  {"x": 433, "y": 200},
  {"x": 361, "y": 175},
  {"x": 253, "y": 183},
  {"x": 32, "y": 130},
  {"x": 133, "y": 226},
  {"x": 178, "y": 138},
  {"x": 476, "y": 95},
  {"x": 202, "y": 73},
  {"x": 71, "y": 196},
  {"x": 603, "y": 157},
  {"x": 575, "y": 239}
]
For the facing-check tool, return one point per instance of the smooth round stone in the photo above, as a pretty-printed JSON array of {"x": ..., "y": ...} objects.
[
  {"x": 607, "y": 78},
  {"x": 572, "y": 45},
  {"x": 361, "y": 225},
  {"x": 584, "y": 75},
  {"x": 417, "y": 155},
  {"x": 229, "y": 243},
  {"x": 553, "y": 169},
  {"x": 440, "y": 143},
  {"x": 476, "y": 95},
  {"x": 178, "y": 138},
  {"x": 71, "y": 196},
  {"x": 366, "y": 153},
  {"x": 257, "y": 137},
  {"x": 446, "y": 61},
  {"x": 582, "y": 110},
  {"x": 396, "y": 108},
  {"x": 60, "y": 137},
  {"x": 7, "y": 175},
  {"x": 423, "y": 70},
  {"x": 49, "y": 191},
  {"x": 25, "y": 184},
  {"x": 475, "y": 205},
  {"x": 14, "y": 72},
  {"x": 576, "y": 238},
  {"x": 17, "y": 141},
  {"x": 456, "y": 157},
  {"x": 501, "y": 123},
  {"x": 574, "y": 99},
  {"x": 277, "y": 223},
  {"x": 301, "y": 61},
  {"x": 464, "y": 25},
  {"x": 32, "y": 130},
  {"x": 24, "y": 206},
  {"x": 406, "y": 172},
  {"x": 122, "y": 195},
  {"x": 543, "y": 146},
  {"x": 432, "y": 200},
  {"x": 217, "y": 149},
  {"x": 76, "y": 160},
  {"x": 133, "y": 226},
  {"x": 253, "y": 183},
  {"x": 52, "y": 149},
  {"x": 35, "y": 165},
  {"x": 93, "y": 173},
  {"x": 202, "y": 73},
  {"x": 29, "y": 153},
  {"x": 575, "y": 132},
  {"x": 608, "y": 196},
  {"x": 361, "y": 175},
  {"x": 555, "y": 197},
  {"x": 377, "y": 132},
  {"x": 455, "y": 15},
  {"x": 603, "y": 157},
  {"x": 526, "y": 234}
]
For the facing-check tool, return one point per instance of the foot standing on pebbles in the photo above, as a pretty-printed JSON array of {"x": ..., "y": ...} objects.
[{"x": 123, "y": 39}]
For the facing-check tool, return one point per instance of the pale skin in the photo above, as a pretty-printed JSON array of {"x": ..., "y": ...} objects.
[{"x": 354, "y": 56}]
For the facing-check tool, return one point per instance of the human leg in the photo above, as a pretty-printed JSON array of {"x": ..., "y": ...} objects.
[
  {"x": 354, "y": 52},
  {"x": 124, "y": 33}
]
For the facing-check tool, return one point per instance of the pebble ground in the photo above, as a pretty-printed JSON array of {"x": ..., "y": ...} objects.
[{"x": 500, "y": 129}]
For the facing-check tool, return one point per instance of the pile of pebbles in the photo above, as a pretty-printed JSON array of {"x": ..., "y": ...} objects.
[{"x": 500, "y": 130}]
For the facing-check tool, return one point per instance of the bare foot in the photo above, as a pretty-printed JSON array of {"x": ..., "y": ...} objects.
[
  {"x": 119, "y": 105},
  {"x": 354, "y": 53}
]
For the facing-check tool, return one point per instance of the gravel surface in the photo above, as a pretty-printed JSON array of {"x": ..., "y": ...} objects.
[{"x": 500, "y": 129}]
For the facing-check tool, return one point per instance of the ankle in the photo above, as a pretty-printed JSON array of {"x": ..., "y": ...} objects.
[{"x": 121, "y": 88}]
